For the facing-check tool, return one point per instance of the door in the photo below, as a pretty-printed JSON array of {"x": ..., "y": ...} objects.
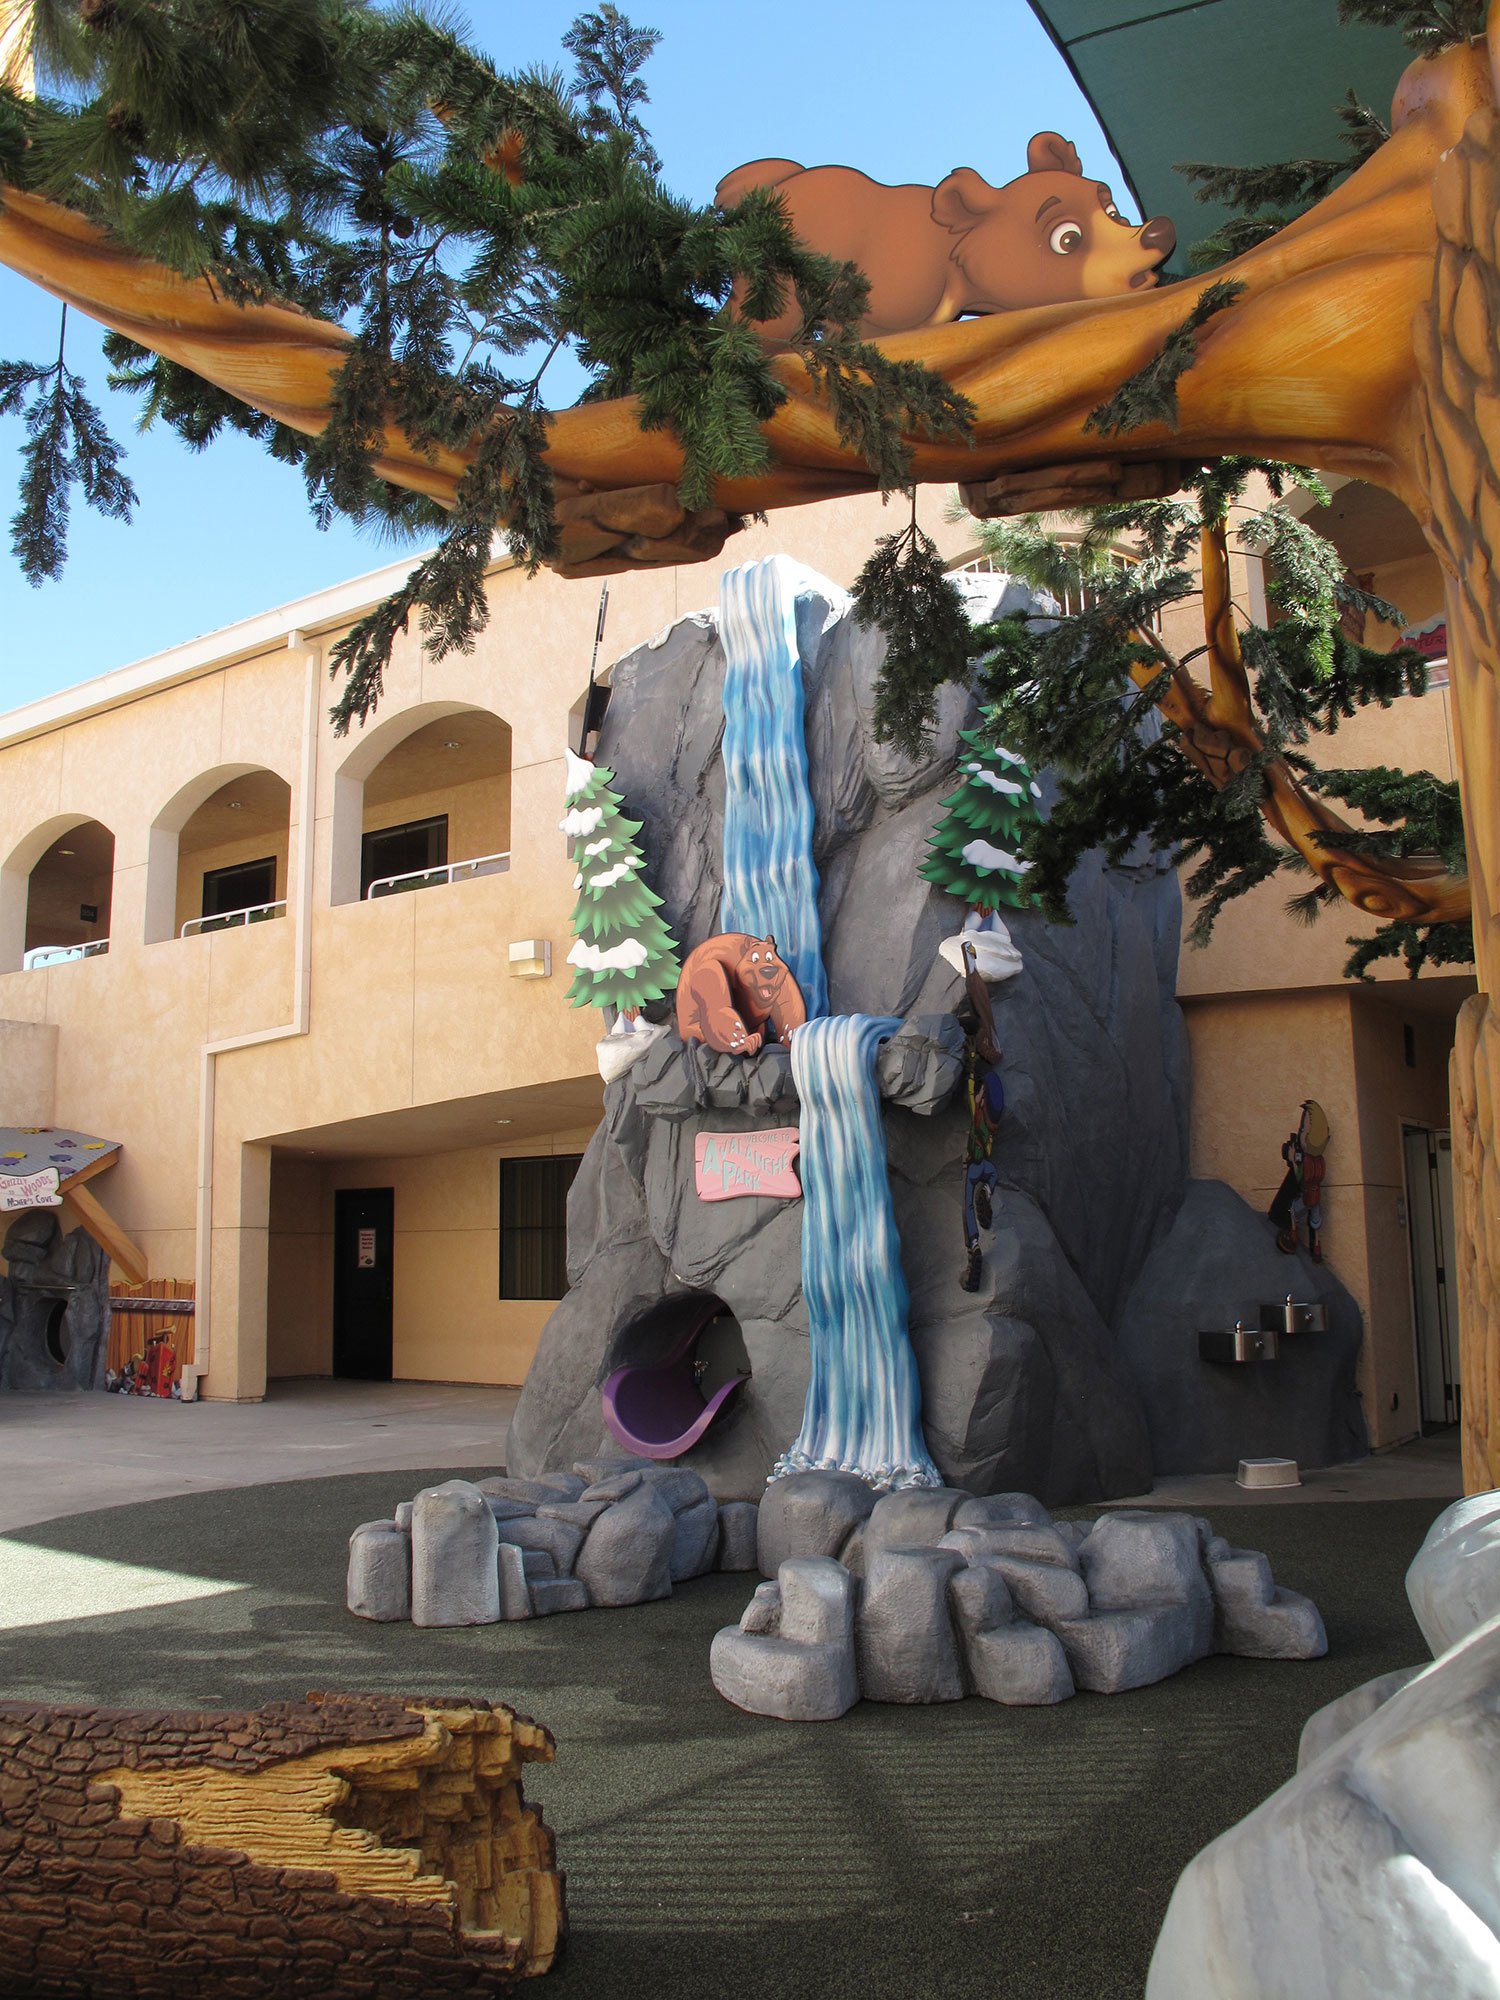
[
  {"x": 1429, "y": 1214},
  {"x": 364, "y": 1222}
]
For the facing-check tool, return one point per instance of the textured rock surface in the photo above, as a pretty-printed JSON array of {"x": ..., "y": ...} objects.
[
  {"x": 380, "y": 1572},
  {"x": 1371, "y": 1872},
  {"x": 796, "y": 1658},
  {"x": 1331, "y": 1723},
  {"x": 1005, "y": 1603},
  {"x": 1024, "y": 1385},
  {"x": 627, "y": 1558},
  {"x": 1217, "y": 1264},
  {"x": 48, "y": 1270},
  {"x": 738, "y": 1525},
  {"x": 454, "y": 1557},
  {"x": 1453, "y": 1583}
]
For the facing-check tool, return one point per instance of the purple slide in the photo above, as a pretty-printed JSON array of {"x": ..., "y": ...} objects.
[{"x": 658, "y": 1410}]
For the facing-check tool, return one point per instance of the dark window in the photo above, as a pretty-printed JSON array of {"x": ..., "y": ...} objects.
[
  {"x": 534, "y": 1226},
  {"x": 412, "y": 849},
  {"x": 243, "y": 887}
]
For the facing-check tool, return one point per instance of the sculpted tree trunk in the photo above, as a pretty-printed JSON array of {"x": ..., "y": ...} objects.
[
  {"x": 344, "y": 1844},
  {"x": 1363, "y": 343}
]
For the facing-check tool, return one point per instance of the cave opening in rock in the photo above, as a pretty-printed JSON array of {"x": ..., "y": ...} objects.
[{"x": 671, "y": 1371}]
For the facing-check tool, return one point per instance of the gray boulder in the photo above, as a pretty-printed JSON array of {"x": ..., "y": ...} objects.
[
  {"x": 379, "y": 1584},
  {"x": 1218, "y": 1264},
  {"x": 515, "y": 1588},
  {"x": 738, "y": 1524},
  {"x": 809, "y": 1514},
  {"x": 54, "y": 1306},
  {"x": 559, "y": 1593},
  {"x": 904, "y": 1642},
  {"x": 454, "y": 1557},
  {"x": 1254, "y": 1616},
  {"x": 1333, "y": 1721},
  {"x": 916, "y": 1517},
  {"x": 561, "y": 1540},
  {"x": 795, "y": 1659},
  {"x": 626, "y": 1557},
  {"x": 1453, "y": 1584},
  {"x": 695, "y": 1540},
  {"x": 1005, "y": 1658}
]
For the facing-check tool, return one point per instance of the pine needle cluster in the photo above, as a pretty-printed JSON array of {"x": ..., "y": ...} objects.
[
  {"x": 905, "y": 590},
  {"x": 369, "y": 165},
  {"x": 1079, "y": 695}
]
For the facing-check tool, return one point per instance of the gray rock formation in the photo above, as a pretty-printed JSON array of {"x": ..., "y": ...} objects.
[
  {"x": 54, "y": 1306},
  {"x": 1219, "y": 1263},
  {"x": 1026, "y": 1383},
  {"x": 1017, "y": 1610},
  {"x": 1373, "y": 1869},
  {"x": 795, "y": 1656},
  {"x": 455, "y": 1574},
  {"x": 611, "y": 1532}
]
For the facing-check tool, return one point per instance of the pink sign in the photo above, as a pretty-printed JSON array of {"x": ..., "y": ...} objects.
[{"x": 735, "y": 1163}]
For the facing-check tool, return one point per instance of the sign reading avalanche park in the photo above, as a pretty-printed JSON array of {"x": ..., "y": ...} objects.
[{"x": 735, "y": 1163}]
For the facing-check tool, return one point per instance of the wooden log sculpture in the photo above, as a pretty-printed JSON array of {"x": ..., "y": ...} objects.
[
  {"x": 345, "y": 1845},
  {"x": 1363, "y": 343}
]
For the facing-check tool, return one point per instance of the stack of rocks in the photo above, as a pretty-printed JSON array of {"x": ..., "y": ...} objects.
[
  {"x": 611, "y": 1532},
  {"x": 931, "y": 1594}
]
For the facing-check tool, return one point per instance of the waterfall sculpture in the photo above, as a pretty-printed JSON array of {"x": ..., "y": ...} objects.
[{"x": 864, "y": 1401}]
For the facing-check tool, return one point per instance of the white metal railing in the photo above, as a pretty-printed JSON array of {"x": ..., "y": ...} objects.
[
  {"x": 256, "y": 914},
  {"x": 62, "y": 954},
  {"x": 431, "y": 878}
]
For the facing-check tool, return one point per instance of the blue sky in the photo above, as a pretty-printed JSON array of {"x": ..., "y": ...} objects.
[{"x": 904, "y": 92}]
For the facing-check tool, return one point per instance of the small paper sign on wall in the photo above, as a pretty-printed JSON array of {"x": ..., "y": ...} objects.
[
  {"x": 727, "y": 1164},
  {"x": 38, "y": 1190},
  {"x": 365, "y": 1257}
]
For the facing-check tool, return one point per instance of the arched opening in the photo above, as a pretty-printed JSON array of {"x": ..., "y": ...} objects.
[
  {"x": 422, "y": 800},
  {"x": 219, "y": 853},
  {"x": 670, "y": 1372},
  {"x": 232, "y": 856},
  {"x": 55, "y": 894},
  {"x": 55, "y": 1338}
]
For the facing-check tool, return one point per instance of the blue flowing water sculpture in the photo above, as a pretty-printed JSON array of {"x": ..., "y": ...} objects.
[
  {"x": 770, "y": 880},
  {"x": 864, "y": 1398},
  {"x": 864, "y": 1401}
]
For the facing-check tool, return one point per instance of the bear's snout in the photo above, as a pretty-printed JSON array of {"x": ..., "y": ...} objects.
[{"x": 1159, "y": 235}]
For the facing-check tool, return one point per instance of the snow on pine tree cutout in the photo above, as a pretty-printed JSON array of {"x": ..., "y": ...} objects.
[
  {"x": 974, "y": 853},
  {"x": 623, "y": 954}
]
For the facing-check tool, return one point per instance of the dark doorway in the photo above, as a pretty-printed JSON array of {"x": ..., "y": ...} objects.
[{"x": 363, "y": 1228}]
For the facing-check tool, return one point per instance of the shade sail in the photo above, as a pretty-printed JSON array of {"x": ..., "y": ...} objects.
[{"x": 1231, "y": 82}]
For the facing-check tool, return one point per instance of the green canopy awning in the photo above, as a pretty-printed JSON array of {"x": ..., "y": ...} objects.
[{"x": 1230, "y": 82}]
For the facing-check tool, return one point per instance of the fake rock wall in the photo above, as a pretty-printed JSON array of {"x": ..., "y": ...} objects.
[{"x": 1025, "y": 1385}]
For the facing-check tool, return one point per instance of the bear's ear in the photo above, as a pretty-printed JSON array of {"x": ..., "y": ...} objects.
[
  {"x": 770, "y": 941},
  {"x": 1049, "y": 151},
  {"x": 959, "y": 201}
]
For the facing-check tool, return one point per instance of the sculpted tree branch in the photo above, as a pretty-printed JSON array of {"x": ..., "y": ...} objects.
[{"x": 1221, "y": 738}]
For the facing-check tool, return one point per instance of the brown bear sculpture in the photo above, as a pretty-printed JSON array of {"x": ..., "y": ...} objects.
[
  {"x": 737, "y": 993},
  {"x": 933, "y": 254}
]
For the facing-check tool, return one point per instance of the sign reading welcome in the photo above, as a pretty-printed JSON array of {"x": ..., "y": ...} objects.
[
  {"x": 727, "y": 1164},
  {"x": 38, "y": 1190}
]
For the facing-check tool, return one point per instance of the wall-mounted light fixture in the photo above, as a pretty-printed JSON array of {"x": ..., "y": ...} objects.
[{"x": 531, "y": 958}]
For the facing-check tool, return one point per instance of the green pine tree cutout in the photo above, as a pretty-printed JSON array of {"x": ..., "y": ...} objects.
[
  {"x": 975, "y": 852},
  {"x": 624, "y": 954}
]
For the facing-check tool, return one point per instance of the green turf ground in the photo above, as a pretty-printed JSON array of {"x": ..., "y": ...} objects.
[{"x": 956, "y": 1851}]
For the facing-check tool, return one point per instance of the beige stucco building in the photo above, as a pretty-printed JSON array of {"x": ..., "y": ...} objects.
[{"x": 269, "y": 1070}]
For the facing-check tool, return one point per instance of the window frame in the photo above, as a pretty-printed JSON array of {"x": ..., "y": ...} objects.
[
  {"x": 216, "y": 876},
  {"x": 555, "y": 1228}
]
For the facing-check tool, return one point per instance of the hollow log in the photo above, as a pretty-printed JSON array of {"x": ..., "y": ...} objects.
[{"x": 347, "y": 1845}]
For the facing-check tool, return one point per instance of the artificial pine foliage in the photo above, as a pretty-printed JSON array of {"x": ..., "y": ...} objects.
[
  {"x": 624, "y": 954},
  {"x": 1062, "y": 693},
  {"x": 905, "y": 589},
  {"x": 367, "y": 164},
  {"x": 977, "y": 850}
]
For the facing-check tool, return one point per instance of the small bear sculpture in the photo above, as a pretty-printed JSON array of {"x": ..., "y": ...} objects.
[
  {"x": 932, "y": 254},
  {"x": 736, "y": 993}
]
